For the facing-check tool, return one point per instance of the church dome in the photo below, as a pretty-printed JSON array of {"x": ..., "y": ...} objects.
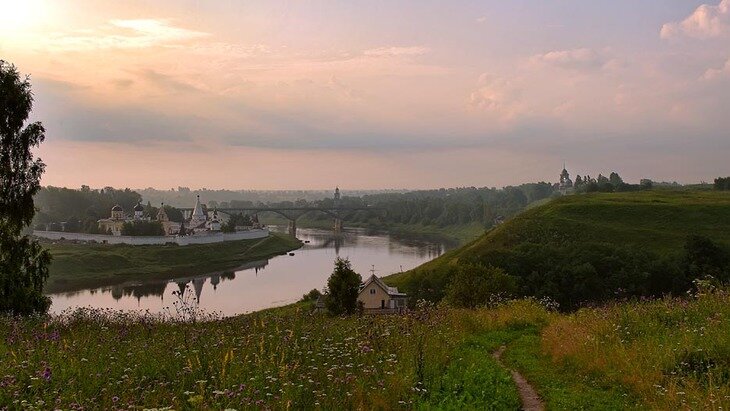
[
  {"x": 138, "y": 207},
  {"x": 117, "y": 208}
]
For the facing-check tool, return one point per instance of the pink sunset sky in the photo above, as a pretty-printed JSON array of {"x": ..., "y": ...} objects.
[{"x": 373, "y": 94}]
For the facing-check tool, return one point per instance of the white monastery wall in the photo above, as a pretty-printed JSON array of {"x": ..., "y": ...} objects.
[{"x": 155, "y": 240}]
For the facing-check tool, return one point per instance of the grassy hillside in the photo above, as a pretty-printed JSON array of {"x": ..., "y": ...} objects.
[
  {"x": 603, "y": 230},
  {"x": 77, "y": 266},
  {"x": 664, "y": 354}
]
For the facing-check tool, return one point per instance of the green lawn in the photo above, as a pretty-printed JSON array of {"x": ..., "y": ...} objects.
[{"x": 77, "y": 266}]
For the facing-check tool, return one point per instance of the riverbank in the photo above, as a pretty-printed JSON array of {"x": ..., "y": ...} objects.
[{"x": 79, "y": 266}]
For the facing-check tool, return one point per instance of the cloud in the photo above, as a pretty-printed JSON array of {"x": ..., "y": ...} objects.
[
  {"x": 396, "y": 51},
  {"x": 705, "y": 22},
  {"x": 573, "y": 59},
  {"x": 481, "y": 19},
  {"x": 167, "y": 82},
  {"x": 496, "y": 95},
  {"x": 714, "y": 73},
  {"x": 122, "y": 34}
]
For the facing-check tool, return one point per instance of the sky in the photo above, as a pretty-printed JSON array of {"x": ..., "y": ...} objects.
[{"x": 373, "y": 94}]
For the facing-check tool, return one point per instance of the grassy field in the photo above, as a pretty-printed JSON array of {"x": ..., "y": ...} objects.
[
  {"x": 665, "y": 354},
  {"x": 76, "y": 266},
  {"x": 657, "y": 221}
]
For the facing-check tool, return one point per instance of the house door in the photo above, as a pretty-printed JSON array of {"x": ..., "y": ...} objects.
[{"x": 382, "y": 303}]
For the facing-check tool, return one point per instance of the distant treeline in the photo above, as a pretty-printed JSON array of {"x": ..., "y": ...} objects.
[
  {"x": 610, "y": 184},
  {"x": 439, "y": 207},
  {"x": 65, "y": 209},
  {"x": 185, "y": 196}
]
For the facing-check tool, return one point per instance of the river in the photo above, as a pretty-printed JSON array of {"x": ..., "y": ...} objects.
[{"x": 266, "y": 283}]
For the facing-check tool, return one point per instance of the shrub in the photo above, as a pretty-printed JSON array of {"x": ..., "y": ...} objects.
[{"x": 475, "y": 285}]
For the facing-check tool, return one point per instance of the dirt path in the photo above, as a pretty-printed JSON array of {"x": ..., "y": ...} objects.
[{"x": 530, "y": 400}]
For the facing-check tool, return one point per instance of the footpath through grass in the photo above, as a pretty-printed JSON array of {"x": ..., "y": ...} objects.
[{"x": 78, "y": 266}]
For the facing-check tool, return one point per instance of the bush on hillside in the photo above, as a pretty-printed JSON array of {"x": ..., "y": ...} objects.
[
  {"x": 575, "y": 275},
  {"x": 703, "y": 258},
  {"x": 313, "y": 295},
  {"x": 475, "y": 286}
]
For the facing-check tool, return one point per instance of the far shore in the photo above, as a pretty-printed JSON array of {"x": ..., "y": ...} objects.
[{"x": 79, "y": 266}]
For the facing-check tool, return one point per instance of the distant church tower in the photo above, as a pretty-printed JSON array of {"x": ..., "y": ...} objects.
[
  {"x": 337, "y": 197},
  {"x": 566, "y": 184},
  {"x": 138, "y": 211},
  {"x": 198, "y": 217}
]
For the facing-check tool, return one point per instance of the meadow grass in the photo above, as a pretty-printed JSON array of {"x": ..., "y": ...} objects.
[
  {"x": 665, "y": 354},
  {"x": 78, "y": 266},
  {"x": 657, "y": 221},
  {"x": 672, "y": 353},
  {"x": 277, "y": 359}
]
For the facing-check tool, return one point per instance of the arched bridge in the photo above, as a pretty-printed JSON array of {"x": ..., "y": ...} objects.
[{"x": 292, "y": 214}]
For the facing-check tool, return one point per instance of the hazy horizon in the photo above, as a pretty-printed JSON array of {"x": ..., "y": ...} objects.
[{"x": 373, "y": 95}]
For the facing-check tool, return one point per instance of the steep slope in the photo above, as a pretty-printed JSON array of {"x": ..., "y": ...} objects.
[{"x": 648, "y": 227}]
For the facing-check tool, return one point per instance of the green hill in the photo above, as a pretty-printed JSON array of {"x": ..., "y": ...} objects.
[{"x": 589, "y": 247}]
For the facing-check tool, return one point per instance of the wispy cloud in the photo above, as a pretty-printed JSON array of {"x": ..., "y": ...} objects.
[
  {"x": 581, "y": 58},
  {"x": 122, "y": 34},
  {"x": 715, "y": 73},
  {"x": 396, "y": 51}
]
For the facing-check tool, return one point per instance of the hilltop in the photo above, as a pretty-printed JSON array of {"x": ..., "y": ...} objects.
[{"x": 585, "y": 247}]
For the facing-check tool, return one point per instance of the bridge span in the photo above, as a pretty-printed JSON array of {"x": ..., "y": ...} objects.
[{"x": 292, "y": 214}]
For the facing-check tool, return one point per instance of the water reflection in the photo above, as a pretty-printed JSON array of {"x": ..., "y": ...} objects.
[{"x": 265, "y": 283}]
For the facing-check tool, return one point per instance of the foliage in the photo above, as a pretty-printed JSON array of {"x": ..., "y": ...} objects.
[
  {"x": 312, "y": 295},
  {"x": 23, "y": 262},
  {"x": 236, "y": 220},
  {"x": 592, "y": 248},
  {"x": 722, "y": 183},
  {"x": 703, "y": 258},
  {"x": 143, "y": 228},
  {"x": 342, "y": 289},
  {"x": 472, "y": 286},
  {"x": 87, "y": 205}
]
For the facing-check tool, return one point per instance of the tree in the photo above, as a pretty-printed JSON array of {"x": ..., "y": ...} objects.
[
  {"x": 23, "y": 262},
  {"x": 722, "y": 183},
  {"x": 143, "y": 228},
  {"x": 472, "y": 286},
  {"x": 342, "y": 288},
  {"x": 615, "y": 179}
]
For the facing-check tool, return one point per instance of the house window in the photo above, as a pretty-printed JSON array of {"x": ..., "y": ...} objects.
[{"x": 372, "y": 291}]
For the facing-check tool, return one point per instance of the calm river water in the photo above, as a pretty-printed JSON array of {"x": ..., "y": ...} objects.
[{"x": 267, "y": 283}]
